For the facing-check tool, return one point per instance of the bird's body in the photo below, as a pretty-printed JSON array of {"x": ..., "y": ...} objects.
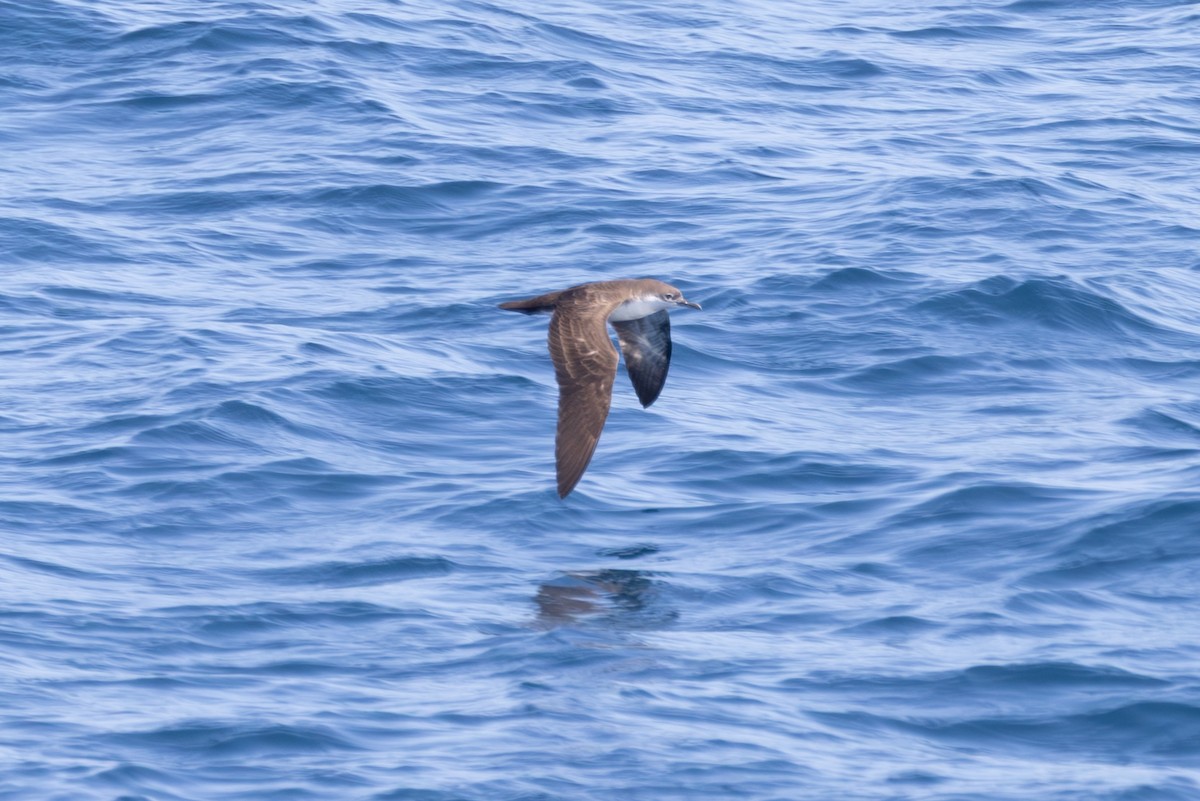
[{"x": 585, "y": 361}]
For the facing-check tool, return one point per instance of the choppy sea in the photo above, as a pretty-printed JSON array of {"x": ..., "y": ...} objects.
[{"x": 917, "y": 515}]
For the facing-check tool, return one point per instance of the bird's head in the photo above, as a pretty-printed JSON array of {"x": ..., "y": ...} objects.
[{"x": 664, "y": 295}]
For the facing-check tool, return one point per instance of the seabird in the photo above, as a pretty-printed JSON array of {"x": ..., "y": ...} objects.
[{"x": 585, "y": 361}]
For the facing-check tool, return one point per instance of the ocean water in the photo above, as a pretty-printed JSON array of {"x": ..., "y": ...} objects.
[{"x": 917, "y": 515}]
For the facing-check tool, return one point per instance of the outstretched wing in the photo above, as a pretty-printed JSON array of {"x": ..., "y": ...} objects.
[
  {"x": 646, "y": 343},
  {"x": 585, "y": 363}
]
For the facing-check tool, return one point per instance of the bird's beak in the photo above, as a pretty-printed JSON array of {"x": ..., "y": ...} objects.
[{"x": 683, "y": 302}]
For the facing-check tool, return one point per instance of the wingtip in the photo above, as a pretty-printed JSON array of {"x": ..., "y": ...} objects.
[
  {"x": 567, "y": 485},
  {"x": 647, "y": 400}
]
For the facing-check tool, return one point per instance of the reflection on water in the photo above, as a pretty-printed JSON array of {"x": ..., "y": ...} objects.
[{"x": 617, "y": 598}]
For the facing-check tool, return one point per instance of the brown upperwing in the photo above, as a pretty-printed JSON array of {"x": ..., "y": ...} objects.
[{"x": 585, "y": 363}]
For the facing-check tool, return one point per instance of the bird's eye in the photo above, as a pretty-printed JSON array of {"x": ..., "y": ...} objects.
[{"x": 668, "y": 296}]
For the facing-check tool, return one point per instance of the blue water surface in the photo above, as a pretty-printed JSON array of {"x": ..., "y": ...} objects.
[{"x": 917, "y": 515}]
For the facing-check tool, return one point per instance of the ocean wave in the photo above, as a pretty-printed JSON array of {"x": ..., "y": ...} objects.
[{"x": 912, "y": 517}]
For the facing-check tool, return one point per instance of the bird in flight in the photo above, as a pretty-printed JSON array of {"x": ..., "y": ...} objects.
[{"x": 585, "y": 361}]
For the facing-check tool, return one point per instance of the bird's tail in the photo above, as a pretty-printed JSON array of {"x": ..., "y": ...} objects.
[{"x": 540, "y": 304}]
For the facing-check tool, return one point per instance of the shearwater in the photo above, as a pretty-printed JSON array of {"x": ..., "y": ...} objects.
[{"x": 585, "y": 361}]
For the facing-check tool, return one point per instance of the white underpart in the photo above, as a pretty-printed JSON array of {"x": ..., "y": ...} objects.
[{"x": 636, "y": 309}]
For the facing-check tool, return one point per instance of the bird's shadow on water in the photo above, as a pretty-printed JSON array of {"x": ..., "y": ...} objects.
[{"x": 608, "y": 598}]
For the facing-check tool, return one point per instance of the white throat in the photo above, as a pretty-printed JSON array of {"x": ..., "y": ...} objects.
[{"x": 637, "y": 309}]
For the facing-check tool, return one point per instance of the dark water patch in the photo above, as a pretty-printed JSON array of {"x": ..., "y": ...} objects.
[
  {"x": 417, "y": 405},
  {"x": 1155, "y": 731},
  {"x": 1007, "y": 76},
  {"x": 981, "y": 195},
  {"x": 1051, "y": 678},
  {"x": 985, "y": 528},
  {"x": 34, "y": 241},
  {"x": 1155, "y": 369},
  {"x": 918, "y": 778},
  {"x": 848, "y": 279},
  {"x": 677, "y": 18},
  {"x": 35, "y": 515},
  {"x": 438, "y": 197},
  {"x": 546, "y": 109},
  {"x": 893, "y": 627},
  {"x": 1057, "y": 601},
  {"x": 288, "y": 478},
  {"x": 300, "y": 668},
  {"x": 832, "y": 72},
  {"x": 932, "y": 375},
  {"x": 192, "y": 204},
  {"x": 1121, "y": 545},
  {"x": 1013, "y": 411},
  {"x": 99, "y": 297},
  {"x": 1057, "y": 304},
  {"x": 424, "y": 316},
  {"x": 360, "y": 574},
  {"x": 162, "y": 103},
  {"x": 588, "y": 41},
  {"x": 224, "y": 741},
  {"x": 275, "y": 617},
  {"x": 962, "y": 33},
  {"x": 132, "y": 777},
  {"x": 53, "y": 569},
  {"x": 416, "y": 794},
  {"x": 987, "y": 499},
  {"x": 277, "y": 484},
  {"x": 740, "y": 471},
  {"x": 86, "y": 457},
  {"x": 27, "y": 333},
  {"x": 726, "y": 175},
  {"x": 1122, "y": 574},
  {"x": 250, "y": 414},
  {"x": 476, "y": 28},
  {"x": 189, "y": 435},
  {"x": 233, "y": 35},
  {"x": 1010, "y": 689},
  {"x": 70, "y": 33},
  {"x": 1166, "y": 428},
  {"x": 504, "y": 71}
]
